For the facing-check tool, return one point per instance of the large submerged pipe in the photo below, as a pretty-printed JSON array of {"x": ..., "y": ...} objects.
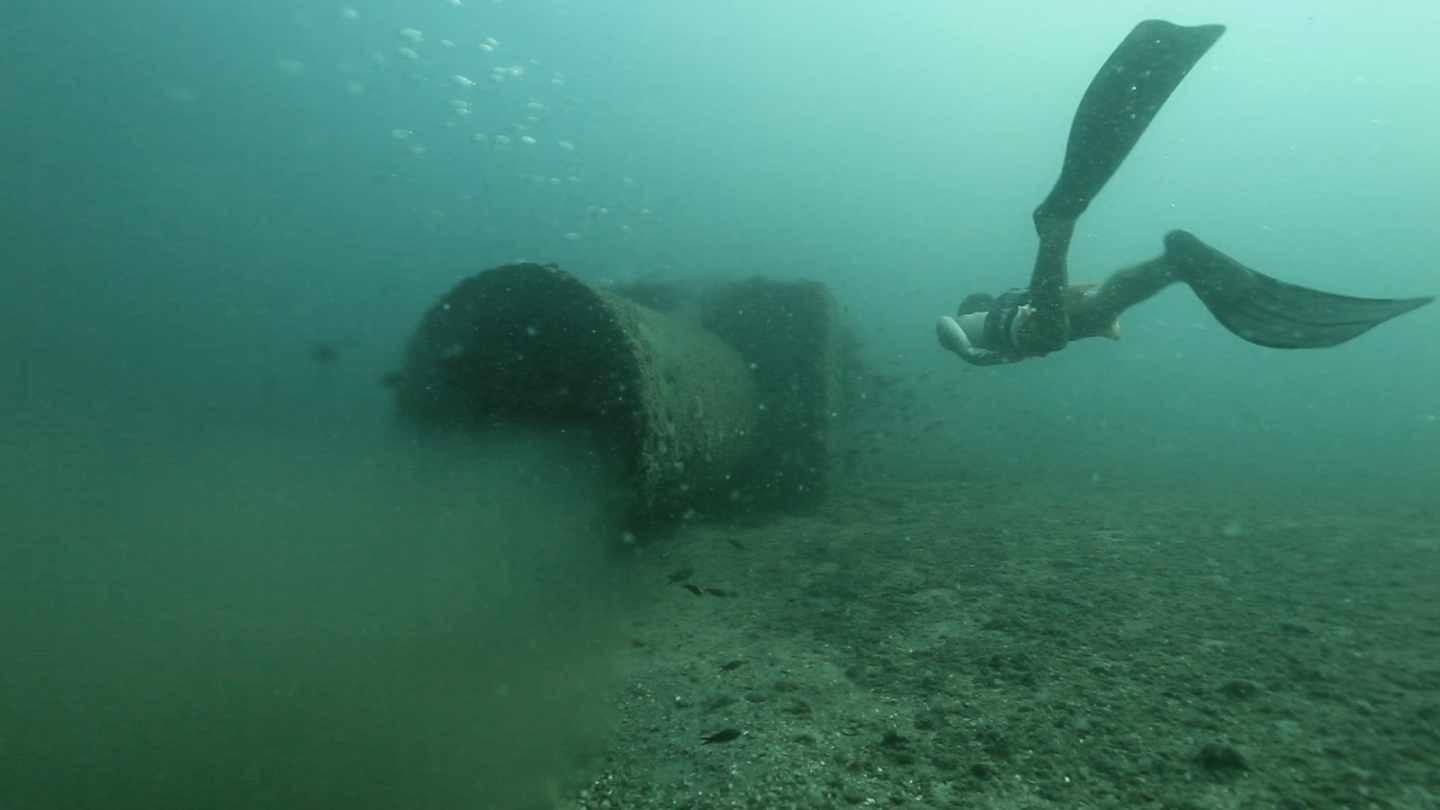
[
  {"x": 528, "y": 343},
  {"x": 715, "y": 400}
]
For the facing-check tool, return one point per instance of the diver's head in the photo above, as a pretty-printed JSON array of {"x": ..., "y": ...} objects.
[{"x": 976, "y": 302}]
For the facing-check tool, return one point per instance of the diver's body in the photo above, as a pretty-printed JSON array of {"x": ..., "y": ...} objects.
[
  {"x": 989, "y": 331},
  {"x": 1121, "y": 101}
]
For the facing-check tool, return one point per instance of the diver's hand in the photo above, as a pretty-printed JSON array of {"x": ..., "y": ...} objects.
[{"x": 953, "y": 338}]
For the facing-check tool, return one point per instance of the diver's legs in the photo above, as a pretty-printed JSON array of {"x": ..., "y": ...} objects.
[
  {"x": 1122, "y": 99},
  {"x": 1093, "y": 313},
  {"x": 1047, "y": 327}
]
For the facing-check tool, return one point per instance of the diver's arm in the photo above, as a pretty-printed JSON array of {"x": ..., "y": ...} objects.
[{"x": 955, "y": 337}]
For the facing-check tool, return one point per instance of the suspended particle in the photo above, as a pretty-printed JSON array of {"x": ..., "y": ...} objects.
[
  {"x": 527, "y": 140},
  {"x": 412, "y": 35},
  {"x": 462, "y": 81},
  {"x": 401, "y": 134},
  {"x": 566, "y": 145},
  {"x": 407, "y": 53}
]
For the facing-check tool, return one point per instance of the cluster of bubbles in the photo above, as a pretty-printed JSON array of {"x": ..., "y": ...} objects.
[{"x": 508, "y": 124}]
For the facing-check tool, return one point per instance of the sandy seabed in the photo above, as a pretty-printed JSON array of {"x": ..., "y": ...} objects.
[{"x": 1016, "y": 646}]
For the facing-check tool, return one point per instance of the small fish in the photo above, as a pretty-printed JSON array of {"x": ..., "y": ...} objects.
[
  {"x": 681, "y": 575},
  {"x": 325, "y": 354},
  {"x": 724, "y": 735},
  {"x": 736, "y": 543},
  {"x": 717, "y": 592},
  {"x": 894, "y": 739},
  {"x": 693, "y": 588},
  {"x": 731, "y": 666}
]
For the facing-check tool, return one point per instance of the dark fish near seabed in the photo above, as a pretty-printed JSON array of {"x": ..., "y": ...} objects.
[{"x": 722, "y": 736}]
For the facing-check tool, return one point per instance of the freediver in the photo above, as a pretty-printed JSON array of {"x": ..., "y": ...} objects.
[{"x": 1119, "y": 104}]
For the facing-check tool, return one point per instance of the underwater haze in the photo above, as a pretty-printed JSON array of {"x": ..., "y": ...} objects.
[
  {"x": 230, "y": 579},
  {"x": 200, "y": 193}
]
